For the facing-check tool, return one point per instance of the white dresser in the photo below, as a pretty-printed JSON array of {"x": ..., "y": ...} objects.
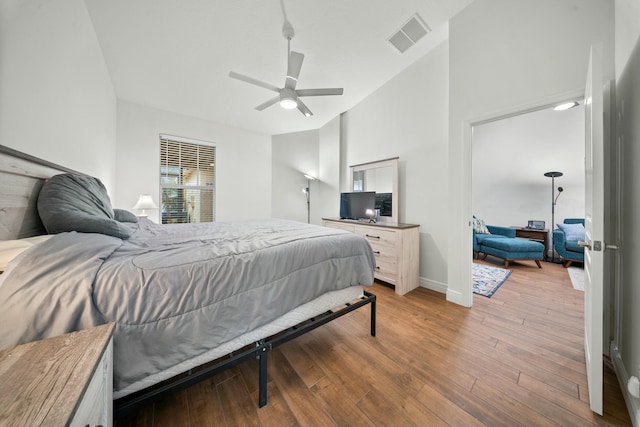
[
  {"x": 396, "y": 247},
  {"x": 60, "y": 381}
]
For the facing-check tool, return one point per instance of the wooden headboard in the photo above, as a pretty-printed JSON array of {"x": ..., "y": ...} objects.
[{"x": 21, "y": 177}]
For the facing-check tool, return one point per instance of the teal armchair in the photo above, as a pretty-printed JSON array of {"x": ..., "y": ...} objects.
[{"x": 566, "y": 238}]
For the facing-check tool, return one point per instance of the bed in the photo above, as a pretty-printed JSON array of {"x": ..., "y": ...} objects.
[{"x": 181, "y": 296}]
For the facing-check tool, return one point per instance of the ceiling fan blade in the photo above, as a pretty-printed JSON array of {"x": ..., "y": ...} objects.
[
  {"x": 293, "y": 69},
  {"x": 303, "y": 109},
  {"x": 253, "y": 81},
  {"x": 319, "y": 92},
  {"x": 268, "y": 103}
]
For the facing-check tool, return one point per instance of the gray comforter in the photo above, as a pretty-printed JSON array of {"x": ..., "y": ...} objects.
[{"x": 175, "y": 291}]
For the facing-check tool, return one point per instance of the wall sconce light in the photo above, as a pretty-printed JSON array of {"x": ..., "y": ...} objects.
[{"x": 145, "y": 201}]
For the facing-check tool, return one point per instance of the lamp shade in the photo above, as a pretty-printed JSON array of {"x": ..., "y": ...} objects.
[
  {"x": 145, "y": 202},
  {"x": 553, "y": 174}
]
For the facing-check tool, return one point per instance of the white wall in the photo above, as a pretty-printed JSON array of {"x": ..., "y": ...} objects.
[
  {"x": 407, "y": 117},
  {"x": 502, "y": 60},
  {"x": 627, "y": 33},
  {"x": 243, "y": 161},
  {"x": 510, "y": 157},
  {"x": 627, "y": 339},
  {"x": 328, "y": 201},
  {"x": 56, "y": 98},
  {"x": 293, "y": 155},
  {"x": 316, "y": 153}
]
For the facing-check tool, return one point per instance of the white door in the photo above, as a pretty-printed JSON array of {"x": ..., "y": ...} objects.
[{"x": 594, "y": 226}]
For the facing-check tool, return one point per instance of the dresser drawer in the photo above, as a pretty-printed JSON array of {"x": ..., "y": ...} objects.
[
  {"x": 387, "y": 270},
  {"x": 384, "y": 254},
  {"x": 378, "y": 237},
  {"x": 340, "y": 225}
]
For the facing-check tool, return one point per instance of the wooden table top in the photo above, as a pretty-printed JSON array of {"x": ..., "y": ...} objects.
[
  {"x": 546, "y": 230},
  {"x": 41, "y": 382}
]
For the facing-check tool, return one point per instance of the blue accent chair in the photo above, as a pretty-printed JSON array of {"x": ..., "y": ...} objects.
[
  {"x": 568, "y": 249},
  {"x": 503, "y": 243}
]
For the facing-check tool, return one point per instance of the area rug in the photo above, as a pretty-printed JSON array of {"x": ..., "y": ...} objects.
[
  {"x": 487, "y": 279},
  {"x": 576, "y": 274}
]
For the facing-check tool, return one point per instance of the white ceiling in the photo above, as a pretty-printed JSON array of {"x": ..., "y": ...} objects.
[{"x": 176, "y": 55}]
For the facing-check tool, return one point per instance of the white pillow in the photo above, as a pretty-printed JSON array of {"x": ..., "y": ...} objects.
[{"x": 9, "y": 249}]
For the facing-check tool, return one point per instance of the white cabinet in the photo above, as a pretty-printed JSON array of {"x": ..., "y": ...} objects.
[
  {"x": 395, "y": 246},
  {"x": 64, "y": 380}
]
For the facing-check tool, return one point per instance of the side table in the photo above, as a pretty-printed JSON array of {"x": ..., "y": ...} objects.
[{"x": 61, "y": 381}]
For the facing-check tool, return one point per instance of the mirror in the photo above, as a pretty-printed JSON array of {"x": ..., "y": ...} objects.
[{"x": 381, "y": 177}]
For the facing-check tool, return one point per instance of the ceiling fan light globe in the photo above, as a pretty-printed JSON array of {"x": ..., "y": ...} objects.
[
  {"x": 288, "y": 99},
  {"x": 288, "y": 104}
]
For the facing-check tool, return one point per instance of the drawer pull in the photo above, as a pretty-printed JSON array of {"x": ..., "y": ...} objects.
[
  {"x": 372, "y": 237},
  {"x": 376, "y": 252},
  {"x": 377, "y": 267}
]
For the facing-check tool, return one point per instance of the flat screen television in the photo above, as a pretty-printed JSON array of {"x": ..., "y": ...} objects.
[{"x": 354, "y": 205}]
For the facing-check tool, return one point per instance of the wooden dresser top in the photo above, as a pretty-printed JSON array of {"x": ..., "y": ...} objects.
[{"x": 396, "y": 225}]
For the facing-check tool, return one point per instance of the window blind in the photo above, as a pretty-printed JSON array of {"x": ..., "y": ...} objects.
[{"x": 187, "y": 181}]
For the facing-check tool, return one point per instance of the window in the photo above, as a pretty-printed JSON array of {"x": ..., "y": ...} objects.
[{"x": 187, "y": 181}]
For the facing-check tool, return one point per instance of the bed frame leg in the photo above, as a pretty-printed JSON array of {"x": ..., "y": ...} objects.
[
  {"x": 373, "y": 316},
  {"x": 262, "y": 400}
]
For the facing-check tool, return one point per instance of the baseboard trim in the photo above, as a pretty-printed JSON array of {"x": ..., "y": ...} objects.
[
  {"x": 433, "y": 285},
  {"x": 633, "y": 404},
  {"x": 452, "y": 296},
  {"x": 455, "y": 297}
]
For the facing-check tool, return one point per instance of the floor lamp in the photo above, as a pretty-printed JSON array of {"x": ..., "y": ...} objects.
[
  {"x": 307, "y": 191},
  {"x": 554, "y": 199}
]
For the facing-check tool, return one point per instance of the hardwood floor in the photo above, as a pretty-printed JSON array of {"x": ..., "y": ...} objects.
[{"x": 515, "y": 359}]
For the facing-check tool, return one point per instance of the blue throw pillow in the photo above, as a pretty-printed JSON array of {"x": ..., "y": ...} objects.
[{"x": 572, "y": 232}]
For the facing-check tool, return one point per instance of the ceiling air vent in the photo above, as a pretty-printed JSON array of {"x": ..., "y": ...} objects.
[{"x": 412, "y": 31}]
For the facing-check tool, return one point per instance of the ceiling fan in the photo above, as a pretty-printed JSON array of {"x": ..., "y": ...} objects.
[{"x": 288, "y": 96}]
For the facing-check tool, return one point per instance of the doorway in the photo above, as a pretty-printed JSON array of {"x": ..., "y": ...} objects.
[{"x": 510, "y": 156}]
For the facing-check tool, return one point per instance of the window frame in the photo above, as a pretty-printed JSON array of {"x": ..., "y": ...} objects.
[{"x": 194, "y": 146}]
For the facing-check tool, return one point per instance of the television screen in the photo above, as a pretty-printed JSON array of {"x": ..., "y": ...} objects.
[{"x": 355, "y": 205}]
